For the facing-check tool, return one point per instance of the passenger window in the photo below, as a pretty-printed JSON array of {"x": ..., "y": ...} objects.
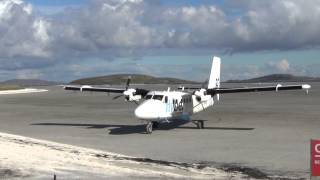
[{"x": 166, "y": 99}]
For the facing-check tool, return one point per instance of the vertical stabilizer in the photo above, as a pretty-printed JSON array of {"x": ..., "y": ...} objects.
[{"x": 214, "y": 80}]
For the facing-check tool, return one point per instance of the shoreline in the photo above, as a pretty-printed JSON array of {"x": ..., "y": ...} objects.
[{"x": 22, "y": 91}]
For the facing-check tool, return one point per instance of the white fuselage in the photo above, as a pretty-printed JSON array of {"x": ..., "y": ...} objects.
[{"x": 168, "y": 105}]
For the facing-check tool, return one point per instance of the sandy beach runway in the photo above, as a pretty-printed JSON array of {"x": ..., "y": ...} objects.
[{"x": 29, "y": 158}]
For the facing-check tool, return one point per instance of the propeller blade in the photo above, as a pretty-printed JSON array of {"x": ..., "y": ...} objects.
[
  {"x": 204, "y": 84},
  {"x": 128, "y": 82},
  {"x": 116, "y": 97},
  {"x": 136, "y": 102}
]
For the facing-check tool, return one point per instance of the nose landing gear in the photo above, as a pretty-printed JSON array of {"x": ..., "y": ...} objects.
[{"x": 151, "y": 125}]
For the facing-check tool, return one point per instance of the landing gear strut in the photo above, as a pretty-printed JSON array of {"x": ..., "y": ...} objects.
[
  {"x": 149, "y": 127},
  {"x": 199, "y": 123}
]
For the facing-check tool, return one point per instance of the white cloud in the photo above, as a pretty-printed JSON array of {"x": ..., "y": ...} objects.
[
  {"x": 41, "y": 27},
  {"x": 21, "y": 33},
  {"x": 281, "y": 66},
  {"x": 108, "y": 29},
  {"x": 29, "y": 74},
  {"x": 126, "y": 27}
]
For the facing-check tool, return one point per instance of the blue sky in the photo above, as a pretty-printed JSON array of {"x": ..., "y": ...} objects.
[{"x": 69, "y": 39}]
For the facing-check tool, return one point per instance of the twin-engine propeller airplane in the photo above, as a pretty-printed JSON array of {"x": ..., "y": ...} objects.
[{"x": 167, "y": 106}]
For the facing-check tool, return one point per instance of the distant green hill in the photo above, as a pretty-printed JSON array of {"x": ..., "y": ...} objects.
[
  {"x": 9, "y": 87},
  {"x": 135, "y": 79},
  {"x": 277, "y": 78}
]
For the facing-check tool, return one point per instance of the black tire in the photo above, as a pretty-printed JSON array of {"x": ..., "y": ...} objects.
[
  {"x": 201, "y": 125},
  {"x": 198, "y": 125}
]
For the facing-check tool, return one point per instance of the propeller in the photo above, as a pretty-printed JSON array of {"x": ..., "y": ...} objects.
[
  {"x": 204, "y": 84},
  {"x": 127, "y": 87},
  {"x": 128, "y": 82},
  {"x": 116, "y": 97},
  {"x": 131, "y": 94}
]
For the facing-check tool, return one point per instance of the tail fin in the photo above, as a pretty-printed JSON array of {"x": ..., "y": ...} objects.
[{"x": 214, "y": 80}]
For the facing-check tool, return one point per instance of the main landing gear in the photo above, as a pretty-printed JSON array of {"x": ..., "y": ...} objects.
[
  {"x": 150, "y": 125},
  {"x": 199, "y": 123}
]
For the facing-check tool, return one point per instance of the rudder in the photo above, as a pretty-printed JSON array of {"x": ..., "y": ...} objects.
[{"x": 214, "y": 80}]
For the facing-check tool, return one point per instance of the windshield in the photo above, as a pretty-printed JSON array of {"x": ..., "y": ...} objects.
[
  {"x": 158, "y": 97},
  {"x": 148, "y": 96}
]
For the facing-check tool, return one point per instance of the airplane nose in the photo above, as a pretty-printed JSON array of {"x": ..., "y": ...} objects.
[
  {"x": 139, "y": 113},
  {"x": 144, "y": 112},
  {"x": 148, "y": 110}
]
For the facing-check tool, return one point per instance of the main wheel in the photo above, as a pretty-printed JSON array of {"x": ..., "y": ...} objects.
[
  {"x": 149, "y": 127},
  {"x": 201, "y": 125},
  {"x": 198, "y": 124}
]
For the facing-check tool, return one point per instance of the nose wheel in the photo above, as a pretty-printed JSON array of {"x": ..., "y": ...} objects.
[{"x": 149, "y": 127}]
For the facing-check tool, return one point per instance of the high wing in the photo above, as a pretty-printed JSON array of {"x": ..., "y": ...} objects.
[
  {"x": 94, "y": 89},
  {"x": 138, "y": 91},
  {"x": 278, "y": 87},
  {"x": 129, "y": 93}
]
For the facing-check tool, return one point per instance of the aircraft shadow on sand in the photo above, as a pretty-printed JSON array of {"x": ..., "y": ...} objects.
[{"x": 118, "y": 129}]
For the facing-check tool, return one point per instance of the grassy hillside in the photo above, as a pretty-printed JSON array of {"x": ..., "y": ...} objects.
[
  {"x": 135, "y": 79},
  {"x": 277, "y": 78},
  {"x": 9, "y": 87}
]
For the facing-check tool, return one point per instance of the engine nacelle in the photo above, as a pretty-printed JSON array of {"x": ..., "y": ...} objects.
[
  {"x": 84, "y": 86},
  {"x": 130, "y": 95},
  {"x": 200, "y": 94}
]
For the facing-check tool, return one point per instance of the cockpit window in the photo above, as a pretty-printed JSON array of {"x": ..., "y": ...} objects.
[
  {"x": 148, "y": 96},
  {"x": 158, "y": 97}
]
